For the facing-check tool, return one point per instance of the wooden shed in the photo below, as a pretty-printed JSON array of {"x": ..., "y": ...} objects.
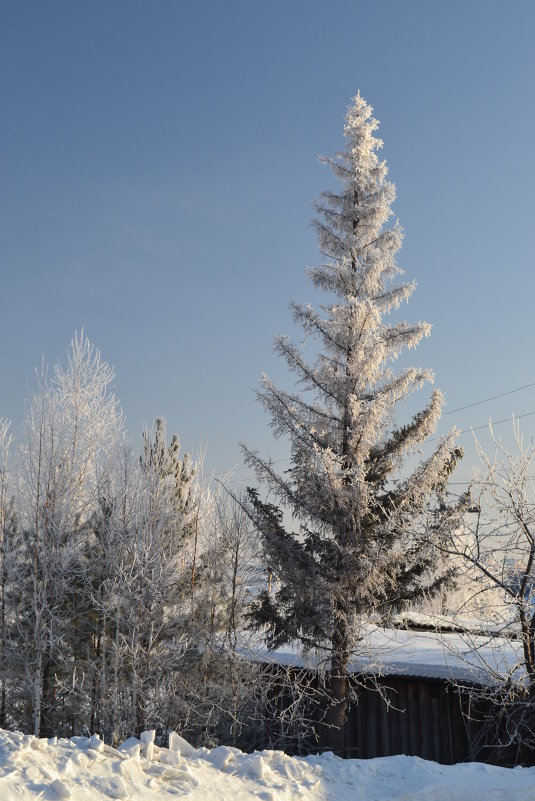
[
  {"x": 414, "y": 715},
  {"x": 417, "y": 700}
]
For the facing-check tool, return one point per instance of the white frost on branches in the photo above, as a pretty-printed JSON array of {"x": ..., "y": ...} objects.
[{"x": 361, "y": 546}]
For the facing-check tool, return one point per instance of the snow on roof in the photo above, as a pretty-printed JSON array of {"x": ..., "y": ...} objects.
[{"x": 401, "y": 652}]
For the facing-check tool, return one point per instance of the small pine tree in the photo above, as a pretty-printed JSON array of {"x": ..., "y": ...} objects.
[{"x": 362, "y": 545}]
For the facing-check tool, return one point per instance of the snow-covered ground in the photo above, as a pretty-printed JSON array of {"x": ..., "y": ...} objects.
[{"x": 85, "y": 769}]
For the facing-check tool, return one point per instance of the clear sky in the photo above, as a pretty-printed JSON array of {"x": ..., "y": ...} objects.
[{"x": 158, "y": 168}]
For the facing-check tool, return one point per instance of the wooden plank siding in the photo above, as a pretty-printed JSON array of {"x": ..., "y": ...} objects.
[
  {"x": 409, "y": 715},
  {"x": 416, "y": 716}
]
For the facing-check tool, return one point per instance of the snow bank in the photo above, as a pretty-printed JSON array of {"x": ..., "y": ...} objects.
[{"x": 85, "y": 769}]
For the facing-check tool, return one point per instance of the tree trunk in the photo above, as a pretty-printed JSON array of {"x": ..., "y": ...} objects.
[
  {"x": 95, "y": 721},
  {"x": 47, "y": 698},
  {"x": 336, "y": 717},
  {"x": 3, "y": 626}
]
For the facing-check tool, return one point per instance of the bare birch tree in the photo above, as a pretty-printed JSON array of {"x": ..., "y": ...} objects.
[
  {"x": 72, "y": 428},
  {"x": 495, "y": 551},
  {"x": 7, "y": 530}
]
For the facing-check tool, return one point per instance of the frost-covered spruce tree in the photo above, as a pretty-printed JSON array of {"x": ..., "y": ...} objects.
[{"x": 362, "y": 545}]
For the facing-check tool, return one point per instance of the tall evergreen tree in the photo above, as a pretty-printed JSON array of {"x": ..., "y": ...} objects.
[{"x": 362, "y": 544}]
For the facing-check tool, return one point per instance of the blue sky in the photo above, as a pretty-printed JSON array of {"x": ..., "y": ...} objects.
[{"x": 158, "y": 167}]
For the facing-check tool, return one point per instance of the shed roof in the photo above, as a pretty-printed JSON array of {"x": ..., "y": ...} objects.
[{"x": 453, "y": 656}]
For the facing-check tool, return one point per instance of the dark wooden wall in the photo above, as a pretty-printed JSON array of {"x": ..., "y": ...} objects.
[
  {"x": 416, "y": 716},
  {"x": 408, "y": 715}
]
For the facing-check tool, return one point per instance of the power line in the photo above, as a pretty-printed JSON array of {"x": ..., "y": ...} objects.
[
  {"x": 452, "y": 411},
  {"x": 434, "y": 439},
  {"x": 486, "y": 400},
  {"x": 496, "y": 422},
  {"x": 232, "y": 470}
]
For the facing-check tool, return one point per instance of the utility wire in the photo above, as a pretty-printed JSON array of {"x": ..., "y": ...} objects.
[
  {"x": 497, "y": 422},
  {"x": 486, "y": 400},
  {"x": 452, "y": 411},
  {"x": 433, "y": 439}
]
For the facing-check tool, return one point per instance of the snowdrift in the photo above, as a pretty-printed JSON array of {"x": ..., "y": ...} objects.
[{"x": 85, "y": 769}]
